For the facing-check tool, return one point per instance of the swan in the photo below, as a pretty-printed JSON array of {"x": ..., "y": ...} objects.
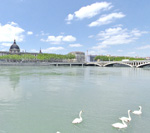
[
  {"x": 120, "y": 125},
  {"x": 126, "y": 119},
  {"x": 138, "y": 112},
  {"x": 78, "y": 120}
]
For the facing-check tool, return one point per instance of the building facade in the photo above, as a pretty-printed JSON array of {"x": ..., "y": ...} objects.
[
  {"x": 80, "y": 56},
  {"x": 14, "y": 49},
  {"x": 90, "y": 58}
]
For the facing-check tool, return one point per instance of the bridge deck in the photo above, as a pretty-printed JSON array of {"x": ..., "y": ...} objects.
[{"x": 137, "y": 63}]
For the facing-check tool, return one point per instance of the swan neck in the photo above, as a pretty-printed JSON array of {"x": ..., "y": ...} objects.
[
  {"x": 129, "y": 115},
  {"x": 140, "y": 109},
  {"x": 80, "y": 115},
  {"x": 124, "y": 123}
]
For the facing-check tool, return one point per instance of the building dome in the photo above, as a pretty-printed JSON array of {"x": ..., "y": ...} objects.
[{"x": 14, "y": 48}]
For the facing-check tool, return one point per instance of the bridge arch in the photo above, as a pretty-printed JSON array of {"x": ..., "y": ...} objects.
[
  {"x": 98, "y": 64},
  {"x": 112, "y": 63},
  {"x": 94, "y": 64},
  {"x": 142, "y": 65}
]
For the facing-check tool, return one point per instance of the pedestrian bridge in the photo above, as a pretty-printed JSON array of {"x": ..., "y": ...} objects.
[{"x": 137, "y": 64}]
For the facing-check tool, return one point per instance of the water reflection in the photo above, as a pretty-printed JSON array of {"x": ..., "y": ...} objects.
[
  {"x": 14, "y": 80},
  {"x": 9, "y": 80}
]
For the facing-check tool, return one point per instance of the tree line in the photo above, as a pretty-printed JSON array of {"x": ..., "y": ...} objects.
[
  {"x": 40, "y": 57},
  {"x": 115, "y": 58}
]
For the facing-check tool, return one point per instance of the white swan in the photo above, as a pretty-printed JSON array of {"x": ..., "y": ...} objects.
[
  {"x": 120, "y": 125},
  {"x": 138, "y": 112},
  {"x": 126, "y": 119},
  {"x": 78, "y": 120}
]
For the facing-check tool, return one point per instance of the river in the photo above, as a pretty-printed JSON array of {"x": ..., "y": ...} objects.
[{"x": 46, "y": 99}]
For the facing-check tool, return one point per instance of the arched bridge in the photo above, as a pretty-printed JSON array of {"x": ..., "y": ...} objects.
[{"x": 137, "y": 64}]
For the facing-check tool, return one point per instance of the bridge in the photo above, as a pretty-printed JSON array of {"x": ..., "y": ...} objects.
[{"x": 137, "y": 64}]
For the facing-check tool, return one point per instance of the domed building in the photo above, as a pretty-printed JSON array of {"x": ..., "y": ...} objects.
[{"x": 14, "y": 48}]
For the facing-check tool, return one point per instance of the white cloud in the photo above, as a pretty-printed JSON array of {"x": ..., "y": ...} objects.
[
  {"x": 68, "y": 38},
  {"x": 70, "y": 17},
  {"x": 11, "y": 31},
  {"x": 106, "y": 19},
  {"x": 75, "y": 45},
  {"x": 91, "y": 36},
  {"x": 6, "y": 44},
  {"x": 52, "y": 49},
  {"x": 29, "y": 32},
  {"x": 92, "y": 10},
  {"x": 13, "y": 23},
  {"x": 118, "y": 35},
  {"x": 89, "y": 11},
  {"x": 144, "y": 47},
  {"x": 97, "y": 50},
  {"x": 59, "y": 39}
]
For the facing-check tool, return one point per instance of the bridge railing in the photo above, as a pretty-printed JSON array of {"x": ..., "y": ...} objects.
[{"x": 122, "y": 61}]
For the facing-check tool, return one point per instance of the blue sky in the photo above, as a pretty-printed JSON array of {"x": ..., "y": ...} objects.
[{"x": 114, "y": 27}]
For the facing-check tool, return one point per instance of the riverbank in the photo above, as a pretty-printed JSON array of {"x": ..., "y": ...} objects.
[{"x": 41, "y": 64}]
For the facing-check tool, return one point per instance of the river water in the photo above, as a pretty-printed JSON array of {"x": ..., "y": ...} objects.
[{"x": 47, "y": 99}]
